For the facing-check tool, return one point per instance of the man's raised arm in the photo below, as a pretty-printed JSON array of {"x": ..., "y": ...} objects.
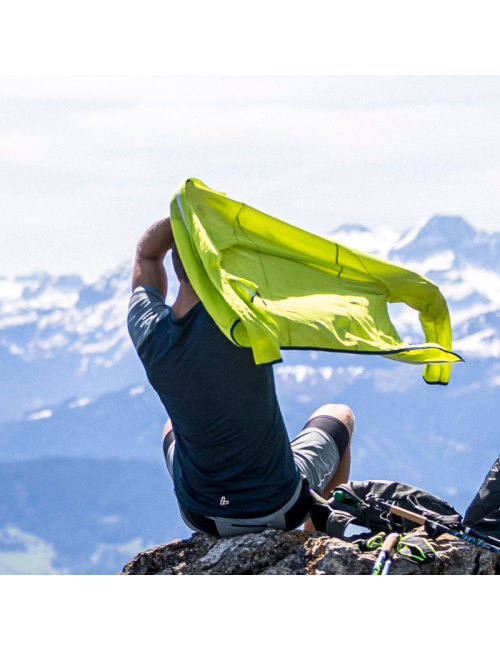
[{"x": 151, "y": 250}]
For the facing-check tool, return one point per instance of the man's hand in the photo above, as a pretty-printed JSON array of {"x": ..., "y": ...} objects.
[{"x": 151, "y": 250}]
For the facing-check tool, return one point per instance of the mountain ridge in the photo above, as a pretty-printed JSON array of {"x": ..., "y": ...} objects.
[{"x": 53, "y": 327}]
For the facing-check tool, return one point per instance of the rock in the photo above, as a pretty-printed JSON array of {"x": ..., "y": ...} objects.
[{"x": 276, "y": 552}]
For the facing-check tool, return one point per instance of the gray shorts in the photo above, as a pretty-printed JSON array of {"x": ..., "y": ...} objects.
[{"x": 317, "y": 451}]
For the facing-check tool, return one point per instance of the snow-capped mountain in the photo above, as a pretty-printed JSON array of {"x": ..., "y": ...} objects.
[
  {"x": 63, "y": 339},
  {"x": 40, "y": 316},
  {"x": 462, "y": 261},
  {"x": 73, "y": 390}
]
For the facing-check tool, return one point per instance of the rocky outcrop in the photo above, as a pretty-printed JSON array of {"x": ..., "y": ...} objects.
[{"x": 276, "y": 552}]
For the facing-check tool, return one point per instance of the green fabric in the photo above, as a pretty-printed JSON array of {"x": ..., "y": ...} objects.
[
  {"x": 416, "y": 549},
  {"x": 270, "y": 286}
]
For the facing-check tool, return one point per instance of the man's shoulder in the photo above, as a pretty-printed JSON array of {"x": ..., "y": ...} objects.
[
  {"x": 147, "y": 294},
  {"x": 146, "y": 309}
]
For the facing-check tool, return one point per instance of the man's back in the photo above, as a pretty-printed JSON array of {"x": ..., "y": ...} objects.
[
  {"x": 225, "y": 444},
  {"x": 233, "y": 457}
]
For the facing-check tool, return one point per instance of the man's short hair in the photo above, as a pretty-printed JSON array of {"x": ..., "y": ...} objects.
[{"x": 179, "y": 269}]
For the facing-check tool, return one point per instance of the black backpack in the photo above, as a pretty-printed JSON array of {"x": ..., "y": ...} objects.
[
  {"x": 358, "y": 502},
  {"x": 483, "y": 514}
]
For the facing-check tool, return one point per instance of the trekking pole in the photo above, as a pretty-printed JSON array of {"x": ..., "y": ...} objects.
[
  {"x": 388, "y": 562},
  {"x": 385, "y": 555},
  {"x": 476, "y": 533},
  {"x": 424, "y": 521}
]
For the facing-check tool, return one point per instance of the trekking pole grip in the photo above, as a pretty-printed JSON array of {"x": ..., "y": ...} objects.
[
  {"x": 390, "y": 542},
  {"x": 406, "y": 514},
  {"x": 385, "y": 554}
]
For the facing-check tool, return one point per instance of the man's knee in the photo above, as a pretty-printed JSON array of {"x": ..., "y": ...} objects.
[{"x": 339, "y": 411}]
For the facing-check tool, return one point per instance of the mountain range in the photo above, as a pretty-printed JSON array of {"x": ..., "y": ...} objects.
[{"x": 74, "y": 393}]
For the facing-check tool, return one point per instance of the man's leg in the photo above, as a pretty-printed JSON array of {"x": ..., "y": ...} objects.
[
  {"x": 168, "y": 428},
  {"x": 169, "y": 446},
  {"x": 344, "y": 414}
]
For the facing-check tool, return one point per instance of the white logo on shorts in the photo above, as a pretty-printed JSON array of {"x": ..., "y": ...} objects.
[{"x": 223, "y": 501}]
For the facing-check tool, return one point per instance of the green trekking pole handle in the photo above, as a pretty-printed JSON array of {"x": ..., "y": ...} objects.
[{"x": 387, "y": 550}]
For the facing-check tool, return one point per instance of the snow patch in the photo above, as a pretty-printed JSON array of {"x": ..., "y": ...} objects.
[
  {"x": 378, "y": 241},
  {"x": 442, "y": 261},
  {"x": 52, "y": 299},
  {"x": 456, "y": 291},
  {"x": 484, "y": 282},
  {"x": 16, "y": 320},
  {"x": 481, "y": 344},
  {"x": 10, "y": 290},
  {"x": 410, "y": 235},
  {"x": 57, "y": 340},
  {"x": 80, "y": 402},
  {"x": 326, "y": 372},
  {"x": 299, "y": 372},
  {"x": 459, "y": 316},
  {"x": 41, "y": 415},
  {"x": 109, "y": 519}
]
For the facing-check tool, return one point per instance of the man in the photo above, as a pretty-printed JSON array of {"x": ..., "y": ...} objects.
[{"x": 225, "y": 444}]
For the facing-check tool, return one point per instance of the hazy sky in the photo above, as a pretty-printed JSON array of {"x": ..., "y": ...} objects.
[{"x": 87, "y": 163}]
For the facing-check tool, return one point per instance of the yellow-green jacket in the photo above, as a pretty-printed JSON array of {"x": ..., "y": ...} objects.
[{"x": 272, "y": 286}]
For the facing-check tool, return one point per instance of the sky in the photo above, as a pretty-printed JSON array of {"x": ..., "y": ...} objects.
[{"x": 88, "y": 163}]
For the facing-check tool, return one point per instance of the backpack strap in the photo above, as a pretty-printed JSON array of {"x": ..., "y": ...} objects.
[{"x": 327, "y": 519}]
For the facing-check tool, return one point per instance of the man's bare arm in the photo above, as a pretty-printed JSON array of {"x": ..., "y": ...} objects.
[{"x": 151, "y": 250}]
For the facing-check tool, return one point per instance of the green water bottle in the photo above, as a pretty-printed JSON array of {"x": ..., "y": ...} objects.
[{"x": 339, "y": 495}]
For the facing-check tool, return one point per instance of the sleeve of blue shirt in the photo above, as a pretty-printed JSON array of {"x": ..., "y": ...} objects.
[{"x": 146, "y": 308}]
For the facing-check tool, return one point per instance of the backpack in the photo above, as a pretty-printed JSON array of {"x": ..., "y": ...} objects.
[
  {"x": 483, "y": 514},
  {"x": 355, "y": 502}
]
